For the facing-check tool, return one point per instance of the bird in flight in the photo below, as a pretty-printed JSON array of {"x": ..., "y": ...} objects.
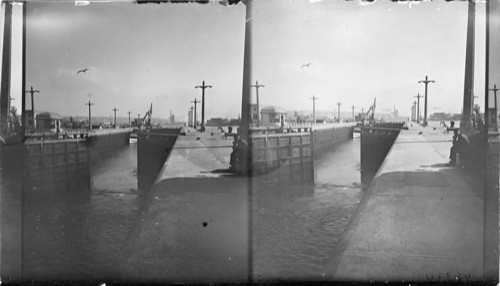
[
  {"x": 84, "y": 70},
  {"x": 306, "y": 65}
]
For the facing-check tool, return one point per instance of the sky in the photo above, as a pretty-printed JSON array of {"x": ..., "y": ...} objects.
[{"x": 143, "y": 54}]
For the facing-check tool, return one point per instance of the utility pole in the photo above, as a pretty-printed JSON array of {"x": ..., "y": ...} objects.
[
  {"x": 257, "y": 85},
  {"x": 465, "y": 123},
  {"x": 195, "y": 102},
  {"x": 426, "y": 81},
  {"x": 114, "y": 109},
  {"x": 495, "y": 89},
  {"x": 246, "y": 91},
  {"x": 203, "y": 87},
  {"x": 339, "y": 104},
  {"x": 32, "y": 92},
  {"x": 353, "y": 118},
  {"x": 314, "y": 108},
  {"x": 23, "y": 82},
  {"x": 129, "y": 118},
  {"x": 418, "y": 96},
  {"x": 6, "y": 68},
  {"x": 90, "y": 106}
]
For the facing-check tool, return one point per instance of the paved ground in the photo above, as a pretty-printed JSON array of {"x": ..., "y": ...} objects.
[
  {"x": 198, "y": 155},
  {"x": 419, "y": 221}
]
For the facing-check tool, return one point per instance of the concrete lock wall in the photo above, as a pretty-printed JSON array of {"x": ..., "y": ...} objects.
[
  {"x": 326, "y": 137},
  {"x": 153, "y": 149},
  {"x": 56, "y": 165},
  {"x": 284, "y": 155},
  {"x": 291, "y": 155},
  {"x": 104, "y": 142},
  {"x": 287, "y": 155},
  {"x": 376, "y": 141},
  {"x": 493, "y": 156},
  {"x": 108, "y": 140},
  {"x": 11, "y": 165},
  {"x": 60, "y": 164}
]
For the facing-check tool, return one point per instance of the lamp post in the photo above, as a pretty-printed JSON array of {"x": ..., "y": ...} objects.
[
  {"x": 257, "y": 86},
  {"x": 114, "y": 109},
  {"x": 203, "y": 87},
  {"x": 90, "y": 106},
  {"x": 32, "y": 92},
  {"x": 339, "y": 104},
  {"x": 195, "y": 101},
  {"x": 426, "y": 82},
  {"x": 314, "y": 108},
  {"x": 418, "y": 96},
  {"x": 495, "y": 89}
]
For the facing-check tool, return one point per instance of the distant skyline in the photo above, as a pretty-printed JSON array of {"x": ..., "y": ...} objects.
[{"x": 142, "y": 54}]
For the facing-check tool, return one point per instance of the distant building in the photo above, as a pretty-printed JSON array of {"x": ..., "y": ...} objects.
[
  {"x": 234, "y": 122},
  {"x": 48, "y": 121},
  {"x": 441, "y": 116},
  {"x": 218, "y": 121},
  {"x": 273, "y": 116}
]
